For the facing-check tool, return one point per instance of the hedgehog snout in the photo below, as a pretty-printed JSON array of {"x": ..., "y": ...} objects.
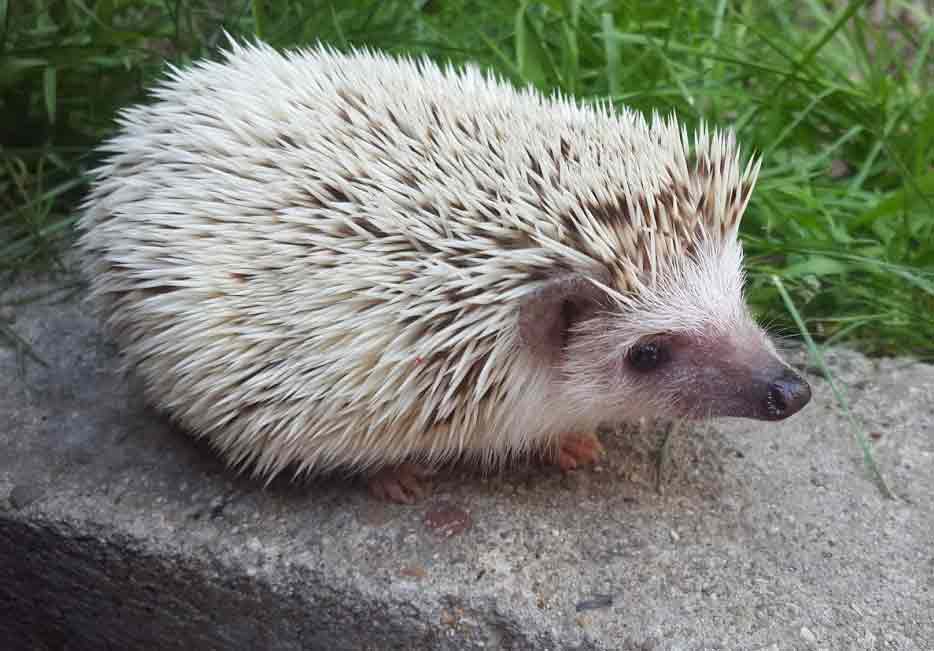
[
  {"x": 734, "y": 376},
  {"x": 786, "y": 395}
]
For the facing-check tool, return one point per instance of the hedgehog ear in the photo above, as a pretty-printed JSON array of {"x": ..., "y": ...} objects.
[{"x": 547, "y": 315}]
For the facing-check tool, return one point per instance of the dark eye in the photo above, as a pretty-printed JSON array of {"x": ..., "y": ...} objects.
[{"x": 647, "y": 356}]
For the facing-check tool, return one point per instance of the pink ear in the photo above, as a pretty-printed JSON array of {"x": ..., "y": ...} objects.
[{"x": 547, "y": 314}]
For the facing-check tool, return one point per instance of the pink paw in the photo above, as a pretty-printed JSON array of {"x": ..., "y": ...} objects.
[
  {"x": 405, "y": 483},
  {"x": 578, "y": 450}
]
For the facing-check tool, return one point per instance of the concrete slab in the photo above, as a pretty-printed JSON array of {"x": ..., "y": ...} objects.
[{"x": 119, "y": 532}]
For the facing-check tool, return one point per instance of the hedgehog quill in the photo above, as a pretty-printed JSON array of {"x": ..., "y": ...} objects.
[{"x": 322, "y": 261}]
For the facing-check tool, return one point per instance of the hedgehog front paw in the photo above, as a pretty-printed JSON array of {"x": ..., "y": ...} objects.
[
  {"x": 578, "y": 450},
  {"x": 405, "y": 483}
]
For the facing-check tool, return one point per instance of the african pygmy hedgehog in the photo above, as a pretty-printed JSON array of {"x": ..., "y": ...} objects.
[{"x": 327, "y": 261}]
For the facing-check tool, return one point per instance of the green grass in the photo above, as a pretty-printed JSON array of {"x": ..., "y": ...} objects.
[{"x": 837, "y": 103}]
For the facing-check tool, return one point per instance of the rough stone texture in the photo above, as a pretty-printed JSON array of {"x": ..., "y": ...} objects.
[{"x": 119, "y": 532}]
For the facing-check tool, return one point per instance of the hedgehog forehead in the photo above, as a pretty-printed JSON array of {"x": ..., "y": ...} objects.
[{"x": 700, "y": 295}]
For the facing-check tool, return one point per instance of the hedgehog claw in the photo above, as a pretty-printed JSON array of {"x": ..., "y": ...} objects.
[
  {"x": 578, "y": 450},
  {"x": 403, "y": 484}
]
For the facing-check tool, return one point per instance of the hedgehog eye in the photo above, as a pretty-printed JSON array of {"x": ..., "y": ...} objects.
[{"x": 647, "y": 356}]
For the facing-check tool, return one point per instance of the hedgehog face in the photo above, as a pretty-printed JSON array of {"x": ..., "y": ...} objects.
[
  {"x": 712, "y": 375},
  {"x": 684, "y": 347}
]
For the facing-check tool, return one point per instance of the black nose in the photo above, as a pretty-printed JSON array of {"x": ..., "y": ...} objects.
[{"x": 786, "y": 395}]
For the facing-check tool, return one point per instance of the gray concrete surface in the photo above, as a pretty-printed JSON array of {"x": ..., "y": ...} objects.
[{"x": 119, "y": 532}]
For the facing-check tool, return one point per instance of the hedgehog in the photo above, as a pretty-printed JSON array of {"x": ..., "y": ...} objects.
[{"x": 325, "y": 261}]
